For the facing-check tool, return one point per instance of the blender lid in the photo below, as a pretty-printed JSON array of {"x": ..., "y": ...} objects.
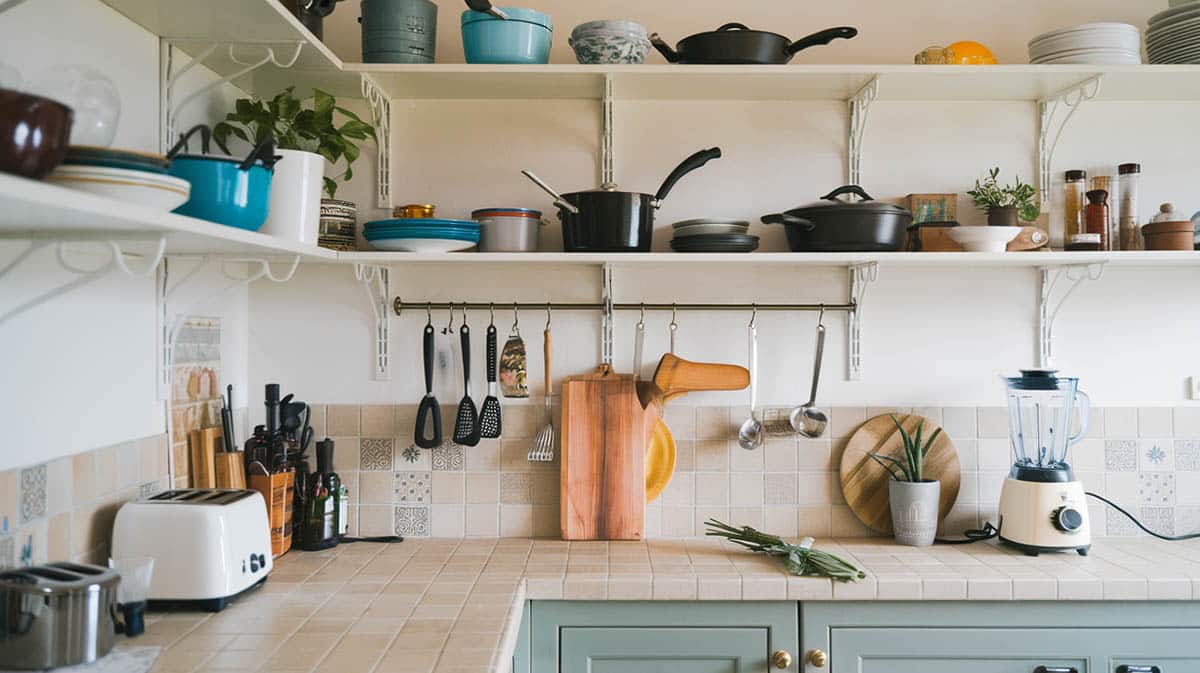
[{"x": 1036, "y": 379}]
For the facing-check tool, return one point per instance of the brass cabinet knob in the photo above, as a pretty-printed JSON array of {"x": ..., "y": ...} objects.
[
  {"x": 818, "y": 658},
  {"x": 781, "y": 659}
]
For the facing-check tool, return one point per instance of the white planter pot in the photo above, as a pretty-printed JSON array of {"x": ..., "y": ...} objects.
[
  {"x": 914, "y": 511},
  {"x": 295, "y": 207}
]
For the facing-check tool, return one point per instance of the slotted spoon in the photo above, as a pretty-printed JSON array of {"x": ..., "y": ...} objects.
[
  {"x": 543, "y": 444},
  {"x": 466, "y": 424},
  {"x": 489, "y": 413}
]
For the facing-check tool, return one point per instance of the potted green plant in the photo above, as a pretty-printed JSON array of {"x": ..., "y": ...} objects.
[
  {"x": 1005, "y": 204},
  {"x": 913, "y": 498},
  {"x": 305, "y": 138}
]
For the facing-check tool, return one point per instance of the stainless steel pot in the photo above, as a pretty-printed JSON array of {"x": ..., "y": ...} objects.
[{"x": 60, "y": 614}]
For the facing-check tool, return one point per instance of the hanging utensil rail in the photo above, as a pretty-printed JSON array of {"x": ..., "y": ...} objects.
[{"x": 400, "y": 306}]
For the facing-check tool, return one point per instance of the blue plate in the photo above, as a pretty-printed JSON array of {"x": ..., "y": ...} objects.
[
  {"x": 421, "y": 222},
  {"x": 453, "y": 235},
  {"x": 431, "y": 232},
  {"x": 408, "y": 230}
]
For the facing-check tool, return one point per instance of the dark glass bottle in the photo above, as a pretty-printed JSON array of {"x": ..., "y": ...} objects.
[
  {"x": 321, "y": 502},
  {"x": 1096, "y": 216}
]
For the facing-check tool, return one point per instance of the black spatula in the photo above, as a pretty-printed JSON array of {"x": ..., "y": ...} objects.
[
  {"x": 466, "y": 424},
  {"x": 489, "y": 413},
  {"x": 429, "y": 411}
]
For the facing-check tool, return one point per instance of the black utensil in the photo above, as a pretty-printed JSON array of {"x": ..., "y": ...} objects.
[
  {"x": 737, "y": 44},
  {"x": 487, "y": 7},
  {"x": 489, "y": 414},
  {"x": 466, "y": 423},
  {"x": 227, "y": 420},
  {"x": 429, "y": 412}
]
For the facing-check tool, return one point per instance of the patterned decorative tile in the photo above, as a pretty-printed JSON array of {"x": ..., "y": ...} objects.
[
  {"x": 375, "y": 454},
  {"x": 516, "y": 488},
  {"x": 781, "y": 488},
  {"x": 1156, "y": 488},
  {"x": 33, "y": 493},
  {"x": 411, "y": 454},
  {"x": 1120, "y": 455},
  {"x": 1159, "y": 519},
  {"x": 448, "y": 457},
  {"x": 1187, "y": 454},
  {"x": 1156, "y": 454},
  {"x": 413, "y": 488},
  {"x": 1118, "y": 525},
  {"x": 412, "y": 521}
]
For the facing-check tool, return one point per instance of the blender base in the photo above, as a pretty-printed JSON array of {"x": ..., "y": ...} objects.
[{"x": 1034, "y": 550}]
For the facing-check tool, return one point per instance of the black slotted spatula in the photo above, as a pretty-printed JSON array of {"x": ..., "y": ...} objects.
[
  {"x": 489, "y": 413},
  {"x": 429, "y": 412},
  {"x": 466, "y": 424}
]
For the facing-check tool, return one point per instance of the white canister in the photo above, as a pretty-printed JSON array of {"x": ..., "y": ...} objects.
[
  {"x": 295, "y": 206},
  {"x": 508, "y": 229}
]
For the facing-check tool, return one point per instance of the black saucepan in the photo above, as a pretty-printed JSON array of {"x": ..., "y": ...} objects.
[
  {"x": 608, "y": 220},
  {"x": 735, "y": 44},
  {"x": 834, "y": 225}
]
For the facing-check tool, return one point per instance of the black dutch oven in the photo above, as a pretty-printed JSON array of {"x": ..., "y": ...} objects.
[
  {"x": 608, "y": 220},
  {"x": 834, "y": 225},
  {"x": 735, "y": 44}
]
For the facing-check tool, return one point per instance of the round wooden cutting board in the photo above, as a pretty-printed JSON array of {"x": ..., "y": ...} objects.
[{"x": 865, "y": 483}]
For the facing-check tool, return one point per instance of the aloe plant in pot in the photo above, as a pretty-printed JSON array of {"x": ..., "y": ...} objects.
[
  {"x": 913, "y": 498},
  {"x": 305, "y": 139},
  {"x": 1006, "y": 205}
]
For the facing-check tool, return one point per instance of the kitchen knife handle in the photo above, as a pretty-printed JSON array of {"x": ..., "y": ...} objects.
[
  {"x": 465, "y": 336},
  {"x": 491, "y": 354},
  {"x": 428, "y": 352}
]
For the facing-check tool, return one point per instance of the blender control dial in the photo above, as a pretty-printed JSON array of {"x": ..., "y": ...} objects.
[{"x": 1067, "y": 519}]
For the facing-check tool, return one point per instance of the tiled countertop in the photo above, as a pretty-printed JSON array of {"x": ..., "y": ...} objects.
[{"x": 378, "y": 608}]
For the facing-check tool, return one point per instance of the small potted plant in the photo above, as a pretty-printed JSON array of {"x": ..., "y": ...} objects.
[
  {"x": 913, "y": 498},
  {"x": 1005, "y": 204},
  {"x": 305, "y": 138}
]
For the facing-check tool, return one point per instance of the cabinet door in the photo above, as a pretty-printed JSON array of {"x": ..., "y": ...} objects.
[
  {"x": 945, "y": 650},
  {"x": 663, "y": 650},
  {"x": 1153, "y": 651}
]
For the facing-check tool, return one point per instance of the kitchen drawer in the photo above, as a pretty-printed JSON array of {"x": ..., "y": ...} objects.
[
  {"x": 660, "y": 636},
  {"x": 904, "y": 650}
]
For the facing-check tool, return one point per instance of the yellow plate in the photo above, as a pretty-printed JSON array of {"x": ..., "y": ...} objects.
[{"x": 660, "y": 460}]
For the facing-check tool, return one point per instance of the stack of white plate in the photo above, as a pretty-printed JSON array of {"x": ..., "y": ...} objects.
[
  {"x": 1092, "y": 43},
  {"x": 1173, "y": 36},
  {"x": 146, "y": 188}
]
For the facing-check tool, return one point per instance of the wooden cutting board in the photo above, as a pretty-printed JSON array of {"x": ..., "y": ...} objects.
[
  {"x": 602, "y": 477},
  {"x": 865, "y": 483}
]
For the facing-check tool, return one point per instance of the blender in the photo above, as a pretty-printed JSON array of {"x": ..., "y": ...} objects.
[{"x": 1042, "y": 506}]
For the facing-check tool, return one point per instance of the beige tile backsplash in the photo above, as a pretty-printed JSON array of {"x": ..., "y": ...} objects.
[{"x": 790, "y": 486}]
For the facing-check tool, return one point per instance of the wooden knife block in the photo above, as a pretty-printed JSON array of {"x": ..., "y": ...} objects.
[{"x": 603, "y": 472}]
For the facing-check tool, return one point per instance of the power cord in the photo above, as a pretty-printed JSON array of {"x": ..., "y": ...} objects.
[
  {"x": 974, "y": 535},
  {"x": 1169, "y": 538},
  {"x": 345, "y": 539}
]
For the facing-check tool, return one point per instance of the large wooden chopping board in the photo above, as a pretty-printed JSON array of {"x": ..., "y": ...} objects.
[{"x": 865, "y": 483}]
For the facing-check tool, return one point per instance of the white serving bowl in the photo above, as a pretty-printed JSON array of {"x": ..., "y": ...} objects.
[{"x": 984, "y": 238}]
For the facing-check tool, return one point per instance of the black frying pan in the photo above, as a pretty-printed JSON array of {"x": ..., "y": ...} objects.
[{"x": 735, "y": 44}]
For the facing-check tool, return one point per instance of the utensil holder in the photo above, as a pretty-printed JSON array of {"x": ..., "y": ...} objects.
[{"x": 276, "y": 490}]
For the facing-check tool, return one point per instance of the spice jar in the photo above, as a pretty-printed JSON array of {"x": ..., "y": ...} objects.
[
  {"x": 1105, "y": 182},
  {"x": 1096, "y": 215},
  {"x": 1083, "y": 243},
  {"x": 1129, "y": 177},
  {"x": 1073, "y": 203}
]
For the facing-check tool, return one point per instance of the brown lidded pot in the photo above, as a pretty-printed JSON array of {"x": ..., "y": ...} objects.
[
  {"x": 34, "y": 134},
  {"x": 1169, "y": 233}
]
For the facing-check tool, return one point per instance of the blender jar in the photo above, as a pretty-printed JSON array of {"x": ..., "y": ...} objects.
[{"x": 1040, "y": 411}]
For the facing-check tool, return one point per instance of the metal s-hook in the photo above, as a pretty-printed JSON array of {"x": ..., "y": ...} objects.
[
  {"x": 491, "y": 314},
  {"x": 429, "y": 314},
  {"x": 547, "y": 316},
  {"x": 674, "y": 327},
  {"x": 464, "y": 310},
  {"x": 450, "y": 325},
  {"x": 516, "y": 326},
  {"x": 641, "y": 324},
  {"x": 821, "y": 317},
  {"x": 754, "y": 315}
]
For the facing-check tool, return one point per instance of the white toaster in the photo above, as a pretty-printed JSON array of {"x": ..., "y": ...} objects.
[{"x": 208, "y": 545}]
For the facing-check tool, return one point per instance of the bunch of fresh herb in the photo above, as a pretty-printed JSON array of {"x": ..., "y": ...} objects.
[
  {"x": 912, "y": 467},
  {"x": 990, "y": 194},
  {"x": 800, "y": 559},
  {"x": 296, "y": 128}
]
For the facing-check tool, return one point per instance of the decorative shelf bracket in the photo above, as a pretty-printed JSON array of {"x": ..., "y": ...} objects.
[
  {"x": 381, "y": 114},
  {"x": 169, "y": 77},
  {"x": 376, "y": 283},
  {"x": 169, "y": 325},
  {"x": 115, "y": 264},
  {"x": 860, "y": 105},
  {"x": 1050, "y": 127},
  {"x": 861, "y": 276},
  {"x": 1048, "y": 308},
  {"x": 607, "y": 174}
]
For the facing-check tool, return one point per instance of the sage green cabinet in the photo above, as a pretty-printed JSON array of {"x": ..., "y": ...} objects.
[{"x": 660, "y": 636}]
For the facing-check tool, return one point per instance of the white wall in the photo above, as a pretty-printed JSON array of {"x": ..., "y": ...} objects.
[{"x": 79, "y": 371}]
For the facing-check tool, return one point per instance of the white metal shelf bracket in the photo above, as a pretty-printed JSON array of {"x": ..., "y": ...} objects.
[
  {"x": 860, "y": 105},
  {"x": 375, "y": 281},
  {"x": 169, "y": 326},
  {"x": 381, "y": 114},
  {"x": 861, "y": 276},
  {"x": 607, "y": 174},
  {"x": 1048, "y": 307},
  {"x": 114, "y": 264},
  {"x": 169, "y": 78},
  {"x": 1050, "y": 127}
]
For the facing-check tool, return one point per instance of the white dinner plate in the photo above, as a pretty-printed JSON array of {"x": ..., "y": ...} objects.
[
  {"x": 427, "y": 245},
  {"x": 153, "y": 190}
]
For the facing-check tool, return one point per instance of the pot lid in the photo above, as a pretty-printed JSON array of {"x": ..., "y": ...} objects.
[
  {"x": 514, "y": 14},
  {"x": 831, "y": 203},
  {"x": 1038, "y": 379},
  {"x": 737, "y": 29}
]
